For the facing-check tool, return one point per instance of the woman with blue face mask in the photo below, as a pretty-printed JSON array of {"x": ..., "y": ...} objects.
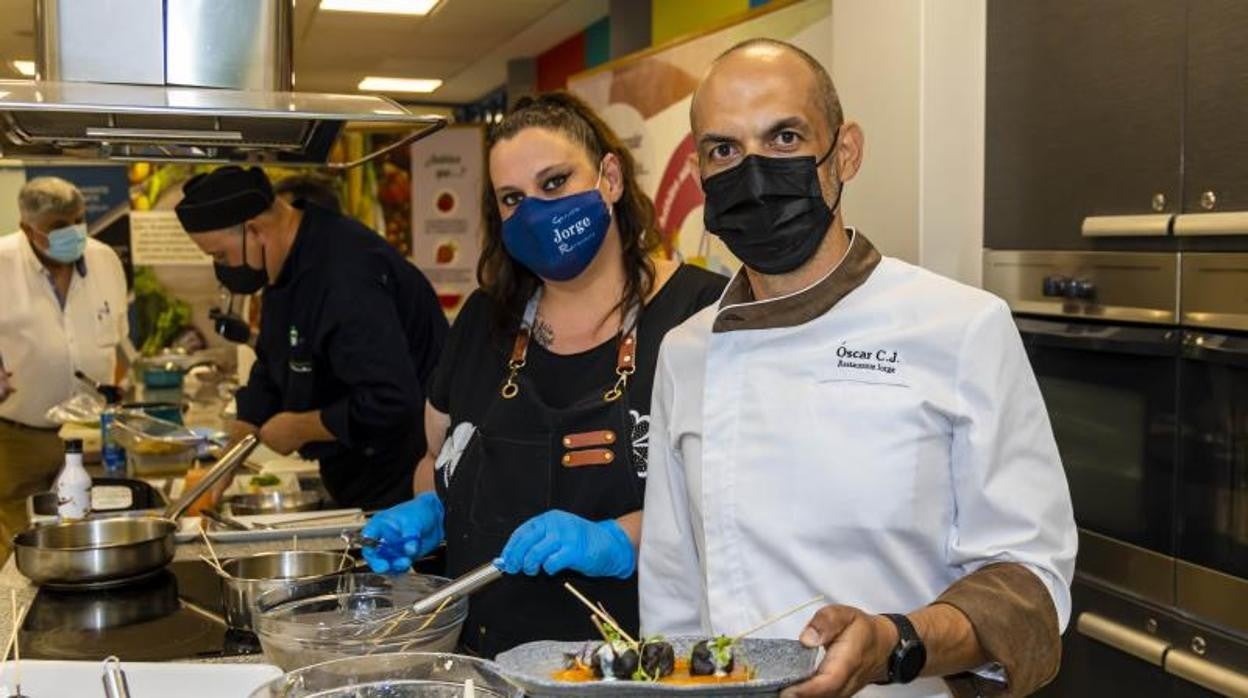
[{"x": 538, "y": 413}]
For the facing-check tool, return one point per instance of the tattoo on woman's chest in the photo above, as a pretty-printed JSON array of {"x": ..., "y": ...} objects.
[{"x": 543, "y": 333}]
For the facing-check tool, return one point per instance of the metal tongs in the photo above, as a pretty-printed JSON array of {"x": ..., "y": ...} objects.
[
  {"x": 462, "y": 586},
  {"x": 433, "y": 604}
]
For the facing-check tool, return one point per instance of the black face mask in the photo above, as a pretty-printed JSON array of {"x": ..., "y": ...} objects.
[
  {"x": 243, "y": 279},
  {"x": 770, "y": 212}
]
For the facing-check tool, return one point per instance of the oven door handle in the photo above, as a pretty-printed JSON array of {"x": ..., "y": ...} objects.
[
  {"x": 1134, "y": 642},
  {"x": 1202, "y": 672},
  {"x": 1146, "y": 341},
  {"x": 1216, "y": 348}
]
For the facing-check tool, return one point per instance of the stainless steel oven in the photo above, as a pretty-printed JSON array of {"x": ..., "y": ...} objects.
[
  {"x": 1101, "y": 331},
  {"x": 1143, "y": 362},
  {"x": 1212, "y": 537}
]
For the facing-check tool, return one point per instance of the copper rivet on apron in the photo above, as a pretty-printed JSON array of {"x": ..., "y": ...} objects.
[
  {"x": 567, "y": 458},
  {"x": 567, "y": 442},
  {"x": 606, "y": 457},
  {"x": 609, "y": 436}
]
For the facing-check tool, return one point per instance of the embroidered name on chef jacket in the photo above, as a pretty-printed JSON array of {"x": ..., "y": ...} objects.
[{"x": 868, "y": 363}]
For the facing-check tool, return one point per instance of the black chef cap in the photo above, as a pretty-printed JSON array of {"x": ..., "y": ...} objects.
[{"x": 226, "y": 197}]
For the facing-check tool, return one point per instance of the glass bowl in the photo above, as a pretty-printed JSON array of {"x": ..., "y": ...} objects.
[
  {"x": 353, "y": 615},
  {"x": 398, "y": 675}
]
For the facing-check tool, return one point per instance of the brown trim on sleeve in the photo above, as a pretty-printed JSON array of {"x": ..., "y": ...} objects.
[
  {"x": 1015, "y": 622},
  {"x": 739, "y": 311}
]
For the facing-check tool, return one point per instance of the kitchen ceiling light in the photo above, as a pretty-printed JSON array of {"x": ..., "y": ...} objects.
[
  {"x": 376, "y": 84},
  {"x": 26, "y": 68},
  {"x": 388, "y": 7}
]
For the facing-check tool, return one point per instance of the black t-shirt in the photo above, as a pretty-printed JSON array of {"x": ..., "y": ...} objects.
[{"x": 473, "y": 365}]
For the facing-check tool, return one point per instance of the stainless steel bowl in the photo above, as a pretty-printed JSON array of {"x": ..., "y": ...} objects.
[
  {"x": 272, "y": 502},
  {"x": 94, "y": 551},
  {"x": 254, "y": 575}
]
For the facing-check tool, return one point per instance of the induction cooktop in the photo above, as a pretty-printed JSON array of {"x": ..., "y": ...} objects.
[{"x": 176, "y": 614}]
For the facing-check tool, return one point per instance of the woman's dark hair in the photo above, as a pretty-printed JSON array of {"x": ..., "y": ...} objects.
[{"x": 511, "y": 284}]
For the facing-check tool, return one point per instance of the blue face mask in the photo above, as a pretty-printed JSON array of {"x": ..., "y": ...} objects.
[
  {"x": 66, "y": 245},
  {"x": 558, "y": 238}
]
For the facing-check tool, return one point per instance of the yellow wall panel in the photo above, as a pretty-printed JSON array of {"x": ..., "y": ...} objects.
[{"x": 673, "y": 18}]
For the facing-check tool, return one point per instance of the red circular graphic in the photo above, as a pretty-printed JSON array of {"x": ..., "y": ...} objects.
[{"x": 445, "y": 202}]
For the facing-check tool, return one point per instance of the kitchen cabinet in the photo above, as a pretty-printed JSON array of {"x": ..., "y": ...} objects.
[
  {"x": 1083, "y": 118},
  {"x": 1215, "y": 136}
]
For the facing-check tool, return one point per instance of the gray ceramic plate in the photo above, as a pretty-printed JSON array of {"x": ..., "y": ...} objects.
[{"x": 776, "y": 663}]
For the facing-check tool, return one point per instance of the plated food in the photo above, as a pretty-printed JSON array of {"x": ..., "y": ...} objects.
[
  {"x": 708, "y": 662},
  {"x": 760, "y": 667}
]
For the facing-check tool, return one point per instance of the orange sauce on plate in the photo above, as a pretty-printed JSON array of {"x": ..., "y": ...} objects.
[{"x": 681, "y": 677}]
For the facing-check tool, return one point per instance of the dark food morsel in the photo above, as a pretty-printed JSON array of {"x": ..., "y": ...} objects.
[
  {"x": 658, "y": 659},
  {"x": 614, "y": 661},
  {"x": 712, "y": 657}
]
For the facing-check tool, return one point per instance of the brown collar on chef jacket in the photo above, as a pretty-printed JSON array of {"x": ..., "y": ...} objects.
[{"x": 739, "y": 311}]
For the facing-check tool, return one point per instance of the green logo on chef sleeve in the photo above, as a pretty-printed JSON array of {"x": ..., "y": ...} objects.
[{"x": 294, "y": 336}]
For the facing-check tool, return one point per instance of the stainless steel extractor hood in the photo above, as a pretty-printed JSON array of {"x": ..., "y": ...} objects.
[{"x": 179, "y": 80}]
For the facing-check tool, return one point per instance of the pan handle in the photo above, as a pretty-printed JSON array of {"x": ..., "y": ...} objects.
[
  {"x": 230, "y": 460},
  {"x": 115, "y": 685}
]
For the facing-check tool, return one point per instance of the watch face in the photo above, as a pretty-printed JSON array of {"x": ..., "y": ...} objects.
[{"x": 910, "y": 661}]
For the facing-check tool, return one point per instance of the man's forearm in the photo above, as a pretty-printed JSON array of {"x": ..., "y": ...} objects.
[
  {"x": 313, "y": 427},
  {"x": 949, "y": 637}
]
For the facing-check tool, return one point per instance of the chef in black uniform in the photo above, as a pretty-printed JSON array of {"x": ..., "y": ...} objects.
[
  {"x": 538, "y": 413},
  {"x": 349, "y": 332}
]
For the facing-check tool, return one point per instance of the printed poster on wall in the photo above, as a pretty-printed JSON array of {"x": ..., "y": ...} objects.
[
  {"x": 646, "y": 101},
  {"x": 447, "y": 176}
]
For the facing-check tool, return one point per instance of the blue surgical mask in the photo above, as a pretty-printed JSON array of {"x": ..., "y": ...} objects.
[
  {"x": 66, "y": 245},
  {"x": 558, "y": 238}
]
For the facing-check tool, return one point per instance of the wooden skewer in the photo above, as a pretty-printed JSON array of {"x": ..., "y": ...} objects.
[
  {"x": 601, "y": 630},
  {"x": 611, "y": 619},
  {"x": 597, "y": 611},
  {"x": 19, "y": 616},
  {"x": 17, "y": 649},
  {"x": 778, "y": 617},
  {"x": 213, "y": 551},
  {"x": 213, "y": 564},
  {"x": 433, "y": 616},
  {"x": 346, "y": 550},
  {"x": 12, "y": 635}
]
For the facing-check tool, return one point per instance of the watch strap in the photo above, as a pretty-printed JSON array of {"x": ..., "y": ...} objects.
[{"x": 908, "y": 642}]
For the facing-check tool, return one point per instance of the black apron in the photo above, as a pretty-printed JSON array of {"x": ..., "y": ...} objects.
[{"x": 527, "y": 458}]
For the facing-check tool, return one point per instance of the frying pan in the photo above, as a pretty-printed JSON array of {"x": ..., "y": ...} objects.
[
  {"x": 273, "y": 502},
  {"x": 109, "y": 551}
]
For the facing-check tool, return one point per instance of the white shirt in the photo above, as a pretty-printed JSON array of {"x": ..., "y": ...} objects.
[
  {"x": 874, "y": 454},
  {"x": 41, "y": 343}
]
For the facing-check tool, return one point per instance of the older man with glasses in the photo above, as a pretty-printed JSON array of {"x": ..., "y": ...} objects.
[{"x": 63, "y": 310}]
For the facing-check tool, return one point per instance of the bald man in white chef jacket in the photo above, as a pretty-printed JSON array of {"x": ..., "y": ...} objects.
[{"x": 847, "y": 425}]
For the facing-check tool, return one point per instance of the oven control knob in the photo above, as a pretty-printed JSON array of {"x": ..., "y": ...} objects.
[
  {"x": 1081, "y": 289},
  {"x": 1055, "y": 286}
]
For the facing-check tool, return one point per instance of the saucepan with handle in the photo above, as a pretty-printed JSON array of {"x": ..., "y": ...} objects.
[{"x": 114, "y": 550}]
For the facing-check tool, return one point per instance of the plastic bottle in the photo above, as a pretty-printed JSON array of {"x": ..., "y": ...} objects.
[
  {"x": 73, "y": 485},
  {"x": 112, "y": 454}
]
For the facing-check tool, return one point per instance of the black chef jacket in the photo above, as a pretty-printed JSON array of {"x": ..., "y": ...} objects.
[{"x": 352, "y": 329}]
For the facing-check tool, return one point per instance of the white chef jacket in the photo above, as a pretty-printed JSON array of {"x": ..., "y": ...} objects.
[
  {"x": 874, "y": 454},
  {"x": 41, "y": 343}
]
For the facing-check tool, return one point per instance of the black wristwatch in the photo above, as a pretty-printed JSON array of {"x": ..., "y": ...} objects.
[{"x": 909, "y": 655}]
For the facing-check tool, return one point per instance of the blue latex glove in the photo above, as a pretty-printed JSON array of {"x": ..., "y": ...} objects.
[
  {"x": 558, "y": 541},
  {"x": 407, "y": 532}
]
